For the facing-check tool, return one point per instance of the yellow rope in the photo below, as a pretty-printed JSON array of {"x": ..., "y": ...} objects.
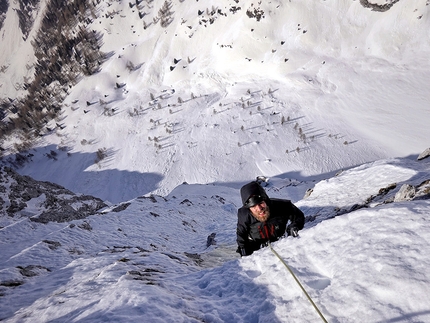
[{"x": 295, "y": 278}]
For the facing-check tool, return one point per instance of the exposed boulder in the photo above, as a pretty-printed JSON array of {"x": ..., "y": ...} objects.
[
  {"x": 409, "y": 192},
  {"x": 424, "y": 154},
  {"x": 378, "y": 7},
  {"x": 406, "y": 193}
]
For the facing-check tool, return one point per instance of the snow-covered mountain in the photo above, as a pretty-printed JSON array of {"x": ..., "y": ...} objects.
[
  {"x": 214, "y": 91},
  {"x": 128, "y": 127}
]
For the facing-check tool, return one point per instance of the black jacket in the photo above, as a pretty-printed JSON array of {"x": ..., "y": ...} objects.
[{"x": 252, "y": 234}]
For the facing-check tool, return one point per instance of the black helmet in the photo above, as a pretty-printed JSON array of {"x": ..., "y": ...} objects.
[{"x": 252, "y": 194}]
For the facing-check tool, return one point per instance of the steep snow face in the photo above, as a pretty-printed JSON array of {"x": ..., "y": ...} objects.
[
  {"x": 173, "y": 258},
  {"x": 223, "y": 91}
]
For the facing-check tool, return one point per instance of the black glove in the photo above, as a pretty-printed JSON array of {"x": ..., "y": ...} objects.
[
  {"x": 241, "y": 251},
  {"x": 292, "y": 231}
]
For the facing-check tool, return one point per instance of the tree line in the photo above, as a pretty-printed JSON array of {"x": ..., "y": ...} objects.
[{"x": 65, "y": 49}]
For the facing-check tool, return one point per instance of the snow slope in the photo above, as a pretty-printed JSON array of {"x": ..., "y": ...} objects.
[
  {"x": 159, "y": 259},
  {"x": 312, "y": 89}
]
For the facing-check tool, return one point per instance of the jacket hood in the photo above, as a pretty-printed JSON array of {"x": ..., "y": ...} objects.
[{"x": 252, "y": 189}]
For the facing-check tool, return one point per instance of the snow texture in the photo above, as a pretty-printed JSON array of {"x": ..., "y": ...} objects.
[{"x": 328, "y": 100}]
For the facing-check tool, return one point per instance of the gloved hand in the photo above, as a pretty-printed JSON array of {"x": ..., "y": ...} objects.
[
  {"x": 241, "y": 251},
  {"x": 292, "y": 231}
]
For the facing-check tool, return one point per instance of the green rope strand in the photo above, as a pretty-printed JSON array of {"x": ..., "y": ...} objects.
[{"x": 295, "y": 278}]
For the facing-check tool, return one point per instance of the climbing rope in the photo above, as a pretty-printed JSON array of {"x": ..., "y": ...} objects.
[{"x": 298, "y": 282}]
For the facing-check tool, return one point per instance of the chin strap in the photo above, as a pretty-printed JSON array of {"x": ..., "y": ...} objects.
[{"x": 298, "y": 282}]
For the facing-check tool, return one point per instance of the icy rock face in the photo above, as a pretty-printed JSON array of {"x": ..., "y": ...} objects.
[
  {"x": 409, "y": 192},
  {"x": 42, "y": 201},
  {"x": 406, "y": 193},
  {"x": 424, "y": 154}
]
